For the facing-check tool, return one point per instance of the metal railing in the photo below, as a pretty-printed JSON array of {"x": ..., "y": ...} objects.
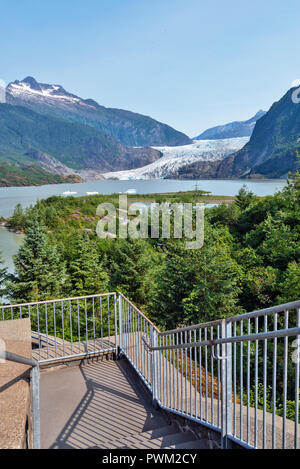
[
  {"x": 238, "y": 376},
  {"x": 137, "y": 333},
  {"x": 70, "y": 327},
  {"x": 35, "y": 391}
]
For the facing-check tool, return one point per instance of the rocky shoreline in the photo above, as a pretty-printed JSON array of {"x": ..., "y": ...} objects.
[{"x": 4, "y": 224}]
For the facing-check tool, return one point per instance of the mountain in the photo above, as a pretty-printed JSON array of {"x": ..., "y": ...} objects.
[
  {"x": 31, "y": 175},
  {"x": 232, "y": 130},
  {"x": 63, "y": 148},
  {"x": 178, "y": 162},
  {"x": 129, "y": 128},
  {"x": 272, "y": 149}
]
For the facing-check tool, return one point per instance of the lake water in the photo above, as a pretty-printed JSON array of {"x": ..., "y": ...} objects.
[
  {"x": 9, "y": 246},
  {"x": 11, "y": 196}
]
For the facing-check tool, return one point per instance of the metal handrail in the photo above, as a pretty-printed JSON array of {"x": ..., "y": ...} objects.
[
  {"x": 264, "y": 312},
  {"x": 139, "y": 312},
  {"x": 245, "y": 338},
  {"x": 35, "y": 388},
  {"x": 60, "y": 300},
  {"x": 241, "y": 317},
  {"x": 191, "y": 328}
]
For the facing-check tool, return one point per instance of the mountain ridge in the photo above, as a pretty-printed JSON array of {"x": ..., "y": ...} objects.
[
  {"x": 27, "y": 138},
  {"x": 273, "y": 146},
  {"x": 131, "y": 129},
  {"x": 234, "y": 129}
]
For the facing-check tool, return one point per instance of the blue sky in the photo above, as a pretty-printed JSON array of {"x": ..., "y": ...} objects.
[{"x": 192, "y": 64}]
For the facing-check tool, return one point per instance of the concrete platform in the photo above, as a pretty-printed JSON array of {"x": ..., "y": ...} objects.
[{"x": 15, "y": 396}]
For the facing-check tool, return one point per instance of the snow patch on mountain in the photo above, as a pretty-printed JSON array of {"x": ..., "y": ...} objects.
[
  {"x": 29, "y": 89},
  {"x": 175, "y": 157}
]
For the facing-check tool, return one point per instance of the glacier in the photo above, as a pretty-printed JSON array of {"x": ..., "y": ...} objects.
[{"x": 175, "y": 157}]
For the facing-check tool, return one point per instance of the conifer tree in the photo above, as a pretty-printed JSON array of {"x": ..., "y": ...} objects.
[
  {"x": 3, "y": 274},
  {"x": 86, "y": 274},
  {"x": 39, "y": 271}
]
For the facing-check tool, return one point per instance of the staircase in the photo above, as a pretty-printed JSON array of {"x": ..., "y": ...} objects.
[
  {"x": 104, "y": 405},
  {"x": 202, "y": 374}
]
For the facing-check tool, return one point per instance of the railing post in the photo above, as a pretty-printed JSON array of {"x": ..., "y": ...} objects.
[
  {"x": 120, "y": 324},
  {"x": 116, "y": 326},
  {"x": 35, "y": 406},
  {"x": 154, "y": 367},
  {"x": 226, "y": 377},
  {"x": 228, "y": 361}
]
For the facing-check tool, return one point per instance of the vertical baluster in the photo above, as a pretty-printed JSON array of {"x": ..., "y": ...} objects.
[
  {"x": 248, "y": 384},
  {"x": 274, "y": 382},
  {"x": 177, "y": 365},
  {"x": 54, "y": 327},
  {"x": 212, "y": 380},
  {"x": 200, "y": 373},
  {"x": 285, "y": 370},
  {"x": 168, "y": 371},
  {"x": 241, "y": 383},
  {"x": 265, "y": 384},
  {"x": 160, "y": 397},
  {"x": 86, "y": 326},
  {"x": 94, "y": 327},
  {"x": 63, "y": 326},
  {"x": 135, "y": 338},
  {"x": 46, "y": 319},
  {"x": 78, "y": 326},
  {"x": 101, "y": 323},
  {"x": 196, "y": 373},
  {"x": 256, "y": 386},
  {"x": 71, "y": 326},
  {"x": 297, "y": 384},
  {"x": 164, "y": 373},
  {"x": 108, "y": 318},
  {"x": 174, "y": 367},
  {"x": 148, "y": 355},
  {"x": 206, "y": 377},
  {"x": 186, "y": 375},
  {"x": 38, "y": 324},
  {"x": 145, "y": 349},
  {"x": 130, "y": 334},
  {"x": 218, "y": 384},
  {"x": 191, "y": 375},
  {"x": 138, "y": 342},
  {"x": 181, "y": 354}
]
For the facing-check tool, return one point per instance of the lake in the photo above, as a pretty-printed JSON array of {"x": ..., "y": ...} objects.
[
  {"x": 9, "y": 246},
  {"x": 11, "y": 196}
]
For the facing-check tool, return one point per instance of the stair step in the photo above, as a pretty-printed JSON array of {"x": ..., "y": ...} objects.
[
  {"x": 159, "y": 438},
  {"x": 158, "y": 443},
  {"x": 194, "y": 444}
]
